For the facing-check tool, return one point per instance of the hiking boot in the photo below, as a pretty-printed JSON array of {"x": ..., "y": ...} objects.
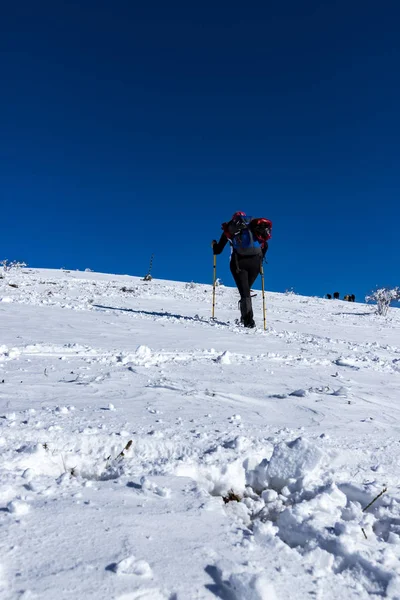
[
  {"x": 246, "y": 311},
  {"x": 250, "y": 324}
]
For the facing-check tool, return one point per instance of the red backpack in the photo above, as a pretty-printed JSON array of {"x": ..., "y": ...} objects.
[
  {"x": 247, "y": 235},
  {"x": 259, "y": 227}
]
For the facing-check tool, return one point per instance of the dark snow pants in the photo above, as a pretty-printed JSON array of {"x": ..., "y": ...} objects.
[{"x": 245, "y": 270}]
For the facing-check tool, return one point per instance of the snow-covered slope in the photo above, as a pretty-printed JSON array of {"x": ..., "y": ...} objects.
[{"x": 131, "y": 425}]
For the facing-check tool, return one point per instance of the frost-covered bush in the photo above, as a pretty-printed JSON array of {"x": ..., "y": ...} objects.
[
  {"x": 383, "y": 298},
  {"x": 14, "y": 264},
  {"x": 290, "y": 292}
]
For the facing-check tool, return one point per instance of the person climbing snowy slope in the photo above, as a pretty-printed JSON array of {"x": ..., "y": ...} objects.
[{"x": 248, "y": 238}]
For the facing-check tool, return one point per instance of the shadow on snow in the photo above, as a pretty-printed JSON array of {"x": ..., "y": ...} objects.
[
  {"x": 196, "y": 318},
  {"x": 219, "y": 587}
]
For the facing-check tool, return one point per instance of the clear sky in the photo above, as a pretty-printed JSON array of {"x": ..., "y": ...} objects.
[{"x": 130, "y": 127}]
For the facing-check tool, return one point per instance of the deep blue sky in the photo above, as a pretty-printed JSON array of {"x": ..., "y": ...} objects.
[{"x": 128, "y": 128}]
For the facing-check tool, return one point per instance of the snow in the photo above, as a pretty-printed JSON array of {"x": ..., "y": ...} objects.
[{"x": 148, "y": 452}]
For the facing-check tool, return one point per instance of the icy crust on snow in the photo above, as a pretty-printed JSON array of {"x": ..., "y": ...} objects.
[{"x": 149, "y": 452}]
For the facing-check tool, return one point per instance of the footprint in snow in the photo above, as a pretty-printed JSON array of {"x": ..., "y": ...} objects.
[
  {"x": 18, "y": 507},
  {"x": 150, "y": 486},
  {"x": 344, "y": 362},
  {"x": 131, "y": 566},
  {"x": 299, "y": 393}
]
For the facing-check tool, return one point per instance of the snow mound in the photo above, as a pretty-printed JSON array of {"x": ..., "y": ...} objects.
[
  {"x": 291, "y": 464},
  {"x": 246, "y": 586},
  {"x": 293, "y": 461},
  {"x": 18, "y": 507},
  {"x": 216, "y": 480},
  {"x": 142, "y": 357},
  {"x": 131, "y": 566}
]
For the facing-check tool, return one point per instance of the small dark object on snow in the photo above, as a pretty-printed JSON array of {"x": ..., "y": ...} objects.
[
  {"x": 122, "y": 454},
  {"x": 336, "y": 295},
  {"x": 231, "y": 497},
  {"x": 125, "y": 289},
  {"x": 329, "y": 296},
  {"x": 14, "y": 285},
  {"x": 374, "y": 500}
]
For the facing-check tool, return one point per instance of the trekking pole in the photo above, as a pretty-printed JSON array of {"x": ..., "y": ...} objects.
[
  {"x": 263, "y": 294},
  {"x": 148, "y": 277},
  {"x": 214, "y": 282}
]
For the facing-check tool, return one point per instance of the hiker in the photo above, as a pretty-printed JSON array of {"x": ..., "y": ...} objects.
[{"x": 248, "y": 238}]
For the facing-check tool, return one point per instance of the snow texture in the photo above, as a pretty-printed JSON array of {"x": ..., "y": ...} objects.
[{"x": 148, "y": 452}]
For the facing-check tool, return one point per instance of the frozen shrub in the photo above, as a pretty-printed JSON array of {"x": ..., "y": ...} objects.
[
  {"x": 383, "y": 298},
  {"x": 14, "y": 264}
]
